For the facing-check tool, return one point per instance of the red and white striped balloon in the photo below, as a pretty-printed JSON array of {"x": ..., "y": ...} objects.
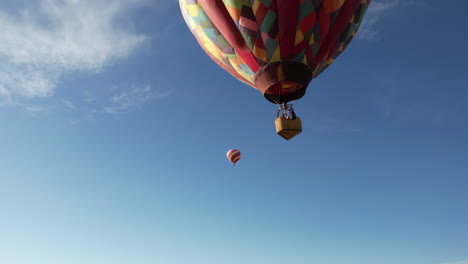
[{"x": 233, "y": 156}]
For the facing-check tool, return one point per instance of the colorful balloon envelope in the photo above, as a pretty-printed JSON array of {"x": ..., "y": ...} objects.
[
  {"x": 233, "y": 156},
  {"x": 276, "y": 46}
]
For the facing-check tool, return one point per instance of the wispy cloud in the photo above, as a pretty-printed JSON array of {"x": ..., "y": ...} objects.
[
  {"x": 325, "y": 123},
  {"x": 456, "y": 262},
  {"x": 387, "y": 95},
  {"x": 114, "y": 101},
  {"x": 382, "y": 6},
  {"x": 56, "y": 37},
  {"x": 68, "y": 104},
  {"x": 378, "y": 10},
  {"x": 401, "y": 99},
  {"x": 134, "y": 96}
]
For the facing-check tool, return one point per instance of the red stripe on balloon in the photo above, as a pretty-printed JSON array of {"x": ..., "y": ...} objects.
[
  {"x": 233, "y": 157},
  {"x": 344, "y": 16},
  {"x": 232, "y": 152},
  {"x": 219, "y": 15},
  {"x": 287, "y": 25},
  {"x": 308, "y": 22}
]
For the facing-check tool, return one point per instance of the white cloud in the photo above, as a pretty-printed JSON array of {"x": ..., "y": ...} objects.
[
  {"x": 377, "y": 10},
  {"x": 89, "y": 98},
  {"x": 70, "y": 105},
  {"x": 123, "y": 99},
  {"x": 326, "y": 123},
  {"x": 354, "y": 129},
  {"x": 102, "y": 102},
  {"x": 55, "y": 37},
  {"x": 382, "y": 6},
  {"x": 457, "y": 262}
]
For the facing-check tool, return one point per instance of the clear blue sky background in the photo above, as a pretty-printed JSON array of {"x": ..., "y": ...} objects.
[{"x": 115, "y": 127}]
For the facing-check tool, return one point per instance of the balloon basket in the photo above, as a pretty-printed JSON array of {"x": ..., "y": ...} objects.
[{"x": 288, "y": 128}]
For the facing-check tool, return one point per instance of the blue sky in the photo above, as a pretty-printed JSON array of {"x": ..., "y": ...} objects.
[{"x": 115, "y": 127}]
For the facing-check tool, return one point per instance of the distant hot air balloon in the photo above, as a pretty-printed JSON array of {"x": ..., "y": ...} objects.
[
  {"x": 276, "y": 46},
  {"x": 233, "y": 156}
]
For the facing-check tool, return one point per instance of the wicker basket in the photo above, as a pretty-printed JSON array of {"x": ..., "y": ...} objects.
[{"x": 288, "y": 128}]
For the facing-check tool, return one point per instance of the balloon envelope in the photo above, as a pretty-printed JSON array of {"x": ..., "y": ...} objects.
[
  {"x": 233, "y": 156},
  {"x": 276, "y": 46}
]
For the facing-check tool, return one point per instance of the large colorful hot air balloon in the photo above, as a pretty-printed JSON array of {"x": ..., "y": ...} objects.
[
  {"x": 276, "y": 46},
  {"x": 233, "y": 156}
]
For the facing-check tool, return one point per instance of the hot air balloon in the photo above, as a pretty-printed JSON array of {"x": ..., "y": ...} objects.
[
  {"x": 233, "y": 156},
  {"x": 276, "y": 46}
]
